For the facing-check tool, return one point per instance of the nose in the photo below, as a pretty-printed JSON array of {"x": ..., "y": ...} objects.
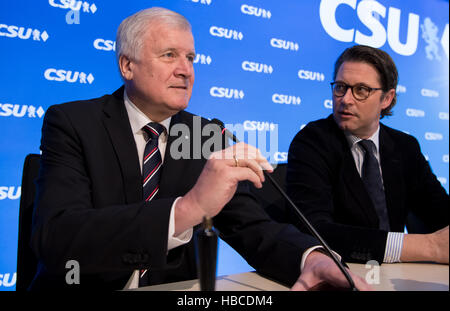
[
  {"x": 184, "y": 68},
  {"x": 348, "y": 96}
]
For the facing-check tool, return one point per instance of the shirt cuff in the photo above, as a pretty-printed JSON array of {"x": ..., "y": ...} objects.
[
  {"x": 181, "y": 239},
  {"x": 394, "y": 245},
  {"x": 311, "y": 249}
]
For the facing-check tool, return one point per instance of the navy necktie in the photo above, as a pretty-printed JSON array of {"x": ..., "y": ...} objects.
[
  {"x": 371, "y": 177},
  {"x": 151, "y": 170},
  {"x": 152, "y": 161}
]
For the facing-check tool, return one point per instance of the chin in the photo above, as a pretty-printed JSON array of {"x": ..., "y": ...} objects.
[
  {"x": 178, "y": 106},
  {"x": 346, "y": 126}
]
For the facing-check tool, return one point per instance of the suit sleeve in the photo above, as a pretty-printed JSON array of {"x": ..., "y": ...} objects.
[
  {"x": 426, "y": 198},
  {"x": 311, "y": 176},
  {"x": 68, "y": 226},
  {"x": 273, "y": 249}
]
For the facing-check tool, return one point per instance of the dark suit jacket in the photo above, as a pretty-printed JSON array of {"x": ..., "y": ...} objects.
[
  {"x": 89, "y": 206},
  {"x": 323, "y": 181}
]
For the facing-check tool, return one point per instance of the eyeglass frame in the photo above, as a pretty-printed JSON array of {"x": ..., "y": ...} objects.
[{"x": 352, "y": 88}]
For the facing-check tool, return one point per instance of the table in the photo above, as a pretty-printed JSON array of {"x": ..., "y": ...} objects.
[
  {"x": 387, "y": 277},
  {"x": 406, "y": 276}
]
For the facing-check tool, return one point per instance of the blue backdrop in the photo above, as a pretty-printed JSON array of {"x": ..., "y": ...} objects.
[{"x": 262, "y": 64}]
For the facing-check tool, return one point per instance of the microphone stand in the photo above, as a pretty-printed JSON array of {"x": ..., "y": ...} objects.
[
  {"x": 313, "y": 232},
  {"x": 297, "y": 210}
]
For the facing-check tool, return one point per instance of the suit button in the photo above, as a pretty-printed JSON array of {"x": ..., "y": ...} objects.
[
  {"x": 131, "y": 258},
  {"x": 127, "y": 258}
]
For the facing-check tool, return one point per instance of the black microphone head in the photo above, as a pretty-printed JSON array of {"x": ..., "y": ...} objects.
[
  {"x": 218, "y": 122},
  {"x": 221, "y": 126},
  {"x": 225, "y": 132}
]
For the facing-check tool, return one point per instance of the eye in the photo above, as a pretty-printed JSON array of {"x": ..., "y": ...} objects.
[
  {"x": 190, "y": 58},
  {"x": 169, "y": 54},
  {"x": 362, "y": 89},
  {"x": 340, "y": 87}
]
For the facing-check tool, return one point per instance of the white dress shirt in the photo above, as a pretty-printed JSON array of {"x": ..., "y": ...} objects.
[
  {"x": 137, "y": 121},
  {"x": 394, "y": 242}
]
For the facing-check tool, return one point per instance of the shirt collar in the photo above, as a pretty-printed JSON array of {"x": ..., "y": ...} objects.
[
  {"x": 352, "y": 139},
  {"x": 137, "y": 118}
]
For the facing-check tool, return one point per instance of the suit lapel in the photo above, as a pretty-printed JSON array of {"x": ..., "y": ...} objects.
[
  {"x": 391, "y": 166},
  {"x": 352, "y": 180},
  {"x": 177, "y": 168},
  {"x": 116, "y": 122}
]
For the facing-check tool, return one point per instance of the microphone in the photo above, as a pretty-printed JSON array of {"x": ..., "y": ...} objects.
[
  {"x": 297, "y": 210},
  {"x": 206, "y": 250}
]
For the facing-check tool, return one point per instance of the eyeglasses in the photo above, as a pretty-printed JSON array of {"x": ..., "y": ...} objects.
[{"x": 359, "y": 91}]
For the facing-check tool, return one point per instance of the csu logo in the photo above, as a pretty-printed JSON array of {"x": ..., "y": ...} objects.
[
  {"x": 8, "y": 193},
  {"x": 208, "y": 2},
  {"x": 280, "y": 156},
  {"x": 410, "y": 112},
  {"x": 442, "y": 180},
  {"x": 400, "y": 89},
  {"x": 6, "y": 280},
  {"x": 105, "y": 45},
  {"x": 259, "y": 126},
  {"x": 430, "y": 35},
  {"x": 252, "y": 66},
  {"x": 283, "y": 44},
  {"x": 19, "y": 111},
  {"x": 433, "y": 136},
  {"x": 74, "y": 5},
  {"x": 258, "y": 12},
  {"x": 445, "y": 158},
  {"x": 310, "y": 75},
  {"x": 443, "y": 115},
  {"x": 202, "y": 59},
  {"x": 286, "y": 99},
  {"x": 223, "y": 92},
  {"x": 12, "y": 31},
  {"x": 225, "y": 33},
  {"x": 429, "y": 93},
  {"x": 370, "y": 13},
  {"x": 59, "y": 75}
]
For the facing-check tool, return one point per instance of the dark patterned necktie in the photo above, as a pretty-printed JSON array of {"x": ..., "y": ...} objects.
[
  {"x": 371, "y": 177},
  {"x": 151, "y": 167},
  {"x": 151, "y": 170}
]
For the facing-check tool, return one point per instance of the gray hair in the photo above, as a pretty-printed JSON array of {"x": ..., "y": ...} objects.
[{"x": 133, "y": 28}]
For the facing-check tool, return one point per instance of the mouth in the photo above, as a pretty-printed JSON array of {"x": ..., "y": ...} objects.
[
  {"x": 179, "y": 87},
  {"x": 346, "y": 114}
]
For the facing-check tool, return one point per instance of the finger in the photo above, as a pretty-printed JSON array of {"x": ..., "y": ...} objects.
[
  {"x": 242, "y": 151},
  {"x": 252, "y": 165},
  {"x": 265, "y": 165},
  {"x": 243, "y": 173},
  {"x": 252, "y": 153}
]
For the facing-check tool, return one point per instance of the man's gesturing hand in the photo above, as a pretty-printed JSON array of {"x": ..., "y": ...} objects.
[{"x": 217, "y": 183}]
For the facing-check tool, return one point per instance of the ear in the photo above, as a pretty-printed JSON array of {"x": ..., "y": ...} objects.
[
  {"x": 387, "y": 98},
  {"x": 126, "y": 67}
]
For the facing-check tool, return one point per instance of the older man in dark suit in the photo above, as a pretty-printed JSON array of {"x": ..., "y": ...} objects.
[
  {"x": 357, "y": 179},
  {"x": 117, "y": 194}
]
